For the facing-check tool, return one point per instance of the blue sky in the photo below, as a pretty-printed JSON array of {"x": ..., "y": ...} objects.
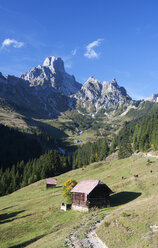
[{"x": 104, "y": 38}]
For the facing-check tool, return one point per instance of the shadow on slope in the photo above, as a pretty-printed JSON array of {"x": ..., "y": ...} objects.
[
  {"x": 45, "y": 128},
  {"x": 45, "y": 106},
  {"x": 24, "y": 244},
  {"x": 5, "y": 217},
  {"x": 123, "y": 197},
  {"x": 7, "y": 208}
]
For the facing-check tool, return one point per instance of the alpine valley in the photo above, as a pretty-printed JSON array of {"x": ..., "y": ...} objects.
[
  {"x": 48, "y": 106},
  {"x": 53, "y": 126},
  {"x": 48, "y": 100}
]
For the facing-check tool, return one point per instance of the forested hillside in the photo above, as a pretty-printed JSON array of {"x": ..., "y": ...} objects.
[
  {"x": 21, "y": 166},
  {"x": 16, "y": 146},
  {"x": 138, "y": 135},
  {"x": 90, "y": 152},
  {"x": 47, "y": 165},
  {"x": 22, "y": 162}
]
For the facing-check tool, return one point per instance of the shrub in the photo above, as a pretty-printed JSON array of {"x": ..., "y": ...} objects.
[{"x": 67, "y": 186}]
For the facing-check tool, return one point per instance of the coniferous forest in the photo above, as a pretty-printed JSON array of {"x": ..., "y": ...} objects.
[
  {"x": 23, "y": 163},
  {"x": 22, "y": 160},
  {"x": 47, "y": 165},
  {"x": 138, "y": 135},
  {"x": 16, "y": 146},
  {"x": 90, "y": 152}
]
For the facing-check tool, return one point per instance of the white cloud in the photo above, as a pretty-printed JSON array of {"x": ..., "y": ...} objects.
[
  {"x": 73, "y": 52},
  {"x": 90, "y": 53},
  {"x": 12, "y": 42}
]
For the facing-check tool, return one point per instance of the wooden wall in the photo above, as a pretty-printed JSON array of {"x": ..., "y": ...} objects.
[
  {"x": 50, "y": 186},
  {"x": 98, "y": 197},
  {"x": 78, "y": 199}
]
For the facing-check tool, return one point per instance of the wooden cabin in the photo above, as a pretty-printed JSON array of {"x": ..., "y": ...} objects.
[
  {"x": 90, "y": 193},
  {"x": 51, "y": 183}
]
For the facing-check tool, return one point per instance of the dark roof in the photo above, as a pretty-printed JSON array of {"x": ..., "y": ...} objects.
[
  {"x": 86, "y": 186},
  {"x": 51, "y": 181}
]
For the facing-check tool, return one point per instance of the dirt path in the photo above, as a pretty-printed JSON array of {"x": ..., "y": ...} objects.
[
  {"x": 95, "y": 241},
  {"x": 147, "y": 155},
  {"x": 90, "y": 239},
  {"x": 150, "y": 155}
]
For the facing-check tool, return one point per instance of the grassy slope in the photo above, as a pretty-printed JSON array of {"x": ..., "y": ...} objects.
[
  {"x": 69, "y": 123},
  {"x": 32, "y": 217},
  {"x": 130, "y": 224},
  {"x": 65, "y": 126}
]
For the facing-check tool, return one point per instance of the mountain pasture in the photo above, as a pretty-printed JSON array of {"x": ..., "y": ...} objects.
[{"x": 31, "y": 216}]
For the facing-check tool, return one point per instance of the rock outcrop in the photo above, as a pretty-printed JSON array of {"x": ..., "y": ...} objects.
[
  {"x": 52, "y": 75},
  {"x": 95, "y": 95},
  {"x": 153, "y": 98}
]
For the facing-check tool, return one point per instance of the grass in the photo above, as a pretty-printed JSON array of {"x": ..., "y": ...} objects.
[
  {"x": 12, "y": 119},
  {"x": 63, "y": 127},
  {"x": 33, "y": 213},
  {"x": 130, "y": 224},
  {"x": 31, "y": 217}
]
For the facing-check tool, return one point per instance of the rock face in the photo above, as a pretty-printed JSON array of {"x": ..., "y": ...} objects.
[
  {"x": 95, "y": 95},
  {"x": 42, "y": 92},
  {"x": 47, "y": 90},
  {"x": 2, "y": 78},
  {"x": 52, "y": 75},
  {"x": 34, "y": 101},
  {"x": 153, "y": 98}
]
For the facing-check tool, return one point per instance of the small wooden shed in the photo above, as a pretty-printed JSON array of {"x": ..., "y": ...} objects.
[
  {"x": 51, "y": 183},
  {"x": 90, "y": 193}
]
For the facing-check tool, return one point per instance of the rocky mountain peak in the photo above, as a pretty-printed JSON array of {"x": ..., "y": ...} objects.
[
  {"x": 52, "y": 75},
  {"x": 91, "y": 82},
  {"x": 55, "y": 64},
  {"x": 95, "y": 95},
  {"x": 92, "y": 79},
  {"x": 114, "y": 82}
]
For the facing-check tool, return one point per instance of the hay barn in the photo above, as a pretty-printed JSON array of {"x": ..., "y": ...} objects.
[
  {"x": 90, "y": 193},
  {"x": 51, "y": 183}
]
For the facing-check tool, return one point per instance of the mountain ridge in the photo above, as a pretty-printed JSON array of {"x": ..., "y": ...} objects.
[{"x": 49, "y": 90}]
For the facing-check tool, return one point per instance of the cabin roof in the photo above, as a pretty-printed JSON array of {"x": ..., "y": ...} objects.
[
  {"x": 86, "y": 186},
  {"x": 51, "y": 181}
]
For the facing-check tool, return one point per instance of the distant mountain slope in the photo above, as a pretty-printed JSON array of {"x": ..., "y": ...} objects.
[{"x": 16, "y": 146}]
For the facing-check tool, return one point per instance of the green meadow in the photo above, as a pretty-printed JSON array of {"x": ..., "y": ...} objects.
[{"x": 31, "y": 216}]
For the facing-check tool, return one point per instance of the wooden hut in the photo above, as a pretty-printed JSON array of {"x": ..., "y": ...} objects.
[
  {"x": 51, "y": 183},
  {"x": 90, "y": 193}
]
